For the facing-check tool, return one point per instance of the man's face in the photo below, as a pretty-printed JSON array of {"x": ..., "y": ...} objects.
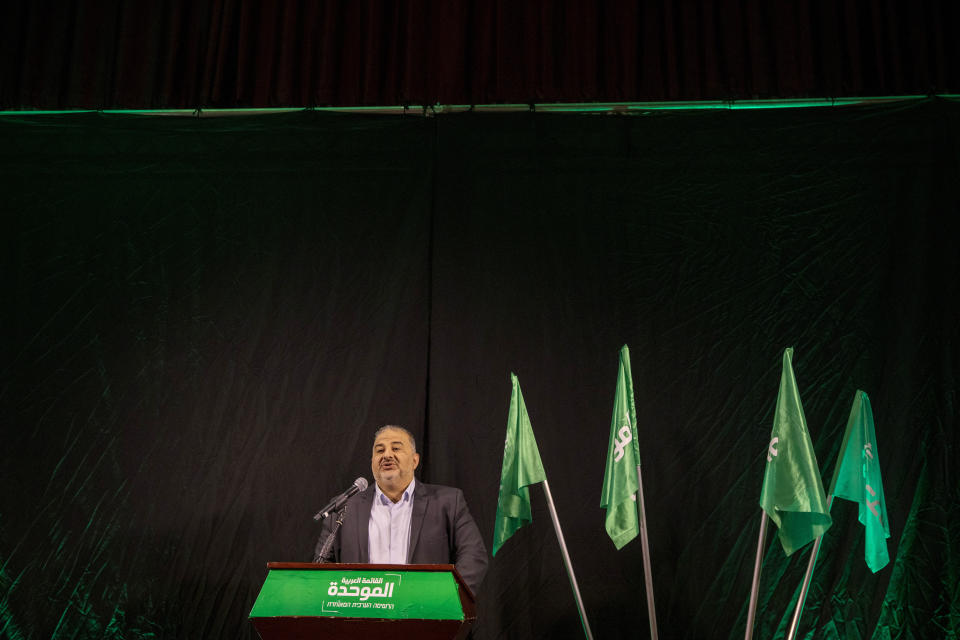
[{"x": 393, "y": 459}]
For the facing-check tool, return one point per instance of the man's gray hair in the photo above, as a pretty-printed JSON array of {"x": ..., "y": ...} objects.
[{"x": 413, "y": 441}]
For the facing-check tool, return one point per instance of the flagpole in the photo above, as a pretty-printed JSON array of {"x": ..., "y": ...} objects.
[
  {"x": 645, "y": 545},
  {"x": 566, "y": 560},
  {"x": 755, "y": 588},
  {"x": 801, "y": 601}
]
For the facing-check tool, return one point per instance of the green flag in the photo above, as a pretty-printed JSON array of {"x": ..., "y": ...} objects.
[
  {"x": 521, "y": 468},
  {"x": 619, "y": 495},
  {"x": 857, "y": 478},
  {"x": 792, "y": 492}
]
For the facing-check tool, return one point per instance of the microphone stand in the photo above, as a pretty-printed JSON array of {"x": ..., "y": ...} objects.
[{"x": 328, "y": 543}]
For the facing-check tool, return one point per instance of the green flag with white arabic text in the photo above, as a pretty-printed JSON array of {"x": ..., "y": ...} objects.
[
  {"x": 857, "y": 478},
  {"x": 619, "y": 494},
  {"x": 792, "y": 493},
  {"x": 521, "y": 468}
]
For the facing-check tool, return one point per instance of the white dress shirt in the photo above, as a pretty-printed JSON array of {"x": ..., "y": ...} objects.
[{"x": 389, "y": 527}]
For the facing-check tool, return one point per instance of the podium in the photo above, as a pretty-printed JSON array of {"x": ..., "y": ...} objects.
[{"x": 304, "y": 600}]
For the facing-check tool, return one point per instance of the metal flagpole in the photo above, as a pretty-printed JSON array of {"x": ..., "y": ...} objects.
[
  {"x": 801, "y": 601},
  {"x": 755, "y": 588},
  {"x": 645, "y": 545},
  {"x": 566, "y": 560}
]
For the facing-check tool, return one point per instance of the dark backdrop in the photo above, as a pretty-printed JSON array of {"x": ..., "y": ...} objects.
[
  {"x": 205, "y": 320},
  {"x": 71, "y": 54}
]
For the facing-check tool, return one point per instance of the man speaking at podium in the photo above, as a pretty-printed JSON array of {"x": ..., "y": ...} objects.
[{"x": 401, "y": 521}]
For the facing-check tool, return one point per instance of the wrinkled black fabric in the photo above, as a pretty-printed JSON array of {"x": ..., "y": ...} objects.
[
  {"x": 298, "y": 53},
  {"x": 205, "y": 320}
]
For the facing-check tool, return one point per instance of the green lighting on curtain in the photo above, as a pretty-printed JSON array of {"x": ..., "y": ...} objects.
[{"x": 554, "y": 107}]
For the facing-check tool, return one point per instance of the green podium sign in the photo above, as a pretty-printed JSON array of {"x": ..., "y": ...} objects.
[{"x": 306, "y": 600}]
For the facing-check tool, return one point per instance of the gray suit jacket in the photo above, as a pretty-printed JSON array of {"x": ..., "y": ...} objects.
[{"x": 441, "y": 532}]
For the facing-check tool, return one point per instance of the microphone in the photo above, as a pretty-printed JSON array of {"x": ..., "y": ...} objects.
[{"x": 360, "y": 484}]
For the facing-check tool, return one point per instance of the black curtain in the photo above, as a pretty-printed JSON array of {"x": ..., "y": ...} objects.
[
  {"x": 205, "y": 320},
  {"x": 246, "y": 53}
]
